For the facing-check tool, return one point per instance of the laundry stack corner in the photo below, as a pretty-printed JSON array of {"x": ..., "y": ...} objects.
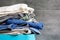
[{"x": 17, "y": 22}]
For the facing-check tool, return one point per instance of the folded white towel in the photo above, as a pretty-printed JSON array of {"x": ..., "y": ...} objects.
[{"x": 22, "y": 8}]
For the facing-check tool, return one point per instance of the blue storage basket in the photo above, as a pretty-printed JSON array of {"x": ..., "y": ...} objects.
[{"x": 17, "y": 37}]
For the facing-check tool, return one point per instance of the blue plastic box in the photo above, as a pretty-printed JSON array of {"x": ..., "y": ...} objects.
[{"x": 17, "y": 37}]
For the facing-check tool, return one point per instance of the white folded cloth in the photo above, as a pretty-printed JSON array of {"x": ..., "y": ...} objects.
[
  {"x": 20, "y": 31},
  {"x": 20, "y": 8}
]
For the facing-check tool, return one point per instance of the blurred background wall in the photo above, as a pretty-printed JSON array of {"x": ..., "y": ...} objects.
[{"x": 47, "y": 11}]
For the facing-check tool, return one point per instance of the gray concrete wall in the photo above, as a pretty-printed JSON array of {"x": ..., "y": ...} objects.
[{"x": 47, "y": 11}]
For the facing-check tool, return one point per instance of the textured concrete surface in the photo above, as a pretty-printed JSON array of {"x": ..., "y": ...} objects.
[
  {"x": 47, "y": 11},
  {"x": 51, "y": 18}
]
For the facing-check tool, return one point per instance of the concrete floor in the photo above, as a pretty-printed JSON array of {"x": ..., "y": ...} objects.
[
  {"x": 51, "y": 18},
  {"x": 47, "y": 11}
]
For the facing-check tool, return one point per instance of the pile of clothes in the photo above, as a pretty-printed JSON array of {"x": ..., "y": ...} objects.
[{"x": 19, "y": 19}]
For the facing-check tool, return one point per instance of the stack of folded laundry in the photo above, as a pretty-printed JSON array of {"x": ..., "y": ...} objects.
[{"x": 19, "y": 19}]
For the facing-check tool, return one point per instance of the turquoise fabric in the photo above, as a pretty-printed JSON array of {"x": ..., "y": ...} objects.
[{"x": 17, "y": 37}]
